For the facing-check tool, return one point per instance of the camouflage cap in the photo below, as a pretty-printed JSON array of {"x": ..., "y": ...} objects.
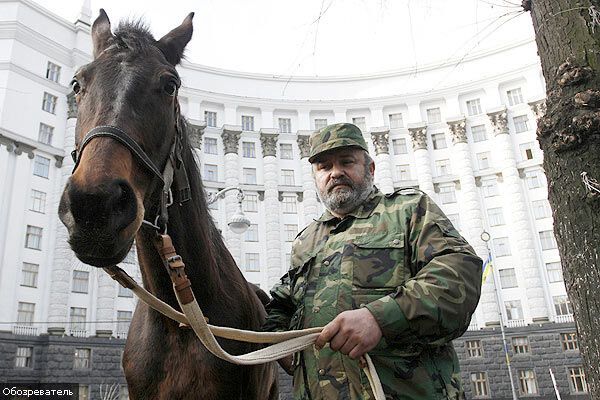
[{"x": 334, "y": 136}]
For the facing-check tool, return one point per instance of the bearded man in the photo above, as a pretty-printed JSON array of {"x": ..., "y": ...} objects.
[{"x": 384, "y": 274}]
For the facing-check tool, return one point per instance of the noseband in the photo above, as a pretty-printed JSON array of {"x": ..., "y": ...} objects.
[{"x": 173, "y": 172}]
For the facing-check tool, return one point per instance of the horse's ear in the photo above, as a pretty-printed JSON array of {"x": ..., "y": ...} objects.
[
  {"x": 173, "y": 43},
  {"x": 101, "y": 34}
]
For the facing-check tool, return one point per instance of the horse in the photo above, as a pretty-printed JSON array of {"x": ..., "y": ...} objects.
[{"x": 134, "y": 171}]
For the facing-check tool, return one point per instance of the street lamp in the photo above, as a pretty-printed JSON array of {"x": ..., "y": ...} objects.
[{"x": 238, "y": 223}]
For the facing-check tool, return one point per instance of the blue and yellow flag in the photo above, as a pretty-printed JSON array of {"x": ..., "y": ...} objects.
[{"x": 487, "y": 268}]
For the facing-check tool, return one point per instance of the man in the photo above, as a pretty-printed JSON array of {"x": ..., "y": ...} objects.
[{"x": 384, "y": 274}]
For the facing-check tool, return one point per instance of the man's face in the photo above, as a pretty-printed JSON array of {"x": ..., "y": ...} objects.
[{"x": 343, "y": 180}]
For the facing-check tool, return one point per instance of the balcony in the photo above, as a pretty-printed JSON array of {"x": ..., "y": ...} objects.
[
  {"x": 78, "y": 332},
  {"x": 515, "y": 323},
  {"x": 563, "y": 319},
  {"x": 24, "y": 330},
  {"x": 473, "y": 327}
]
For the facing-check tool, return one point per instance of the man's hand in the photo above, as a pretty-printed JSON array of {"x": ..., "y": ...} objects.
[{"x": 353, "y": 332}]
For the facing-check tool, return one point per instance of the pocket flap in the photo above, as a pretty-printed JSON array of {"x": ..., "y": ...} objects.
[{"x": 381, "y": 240}]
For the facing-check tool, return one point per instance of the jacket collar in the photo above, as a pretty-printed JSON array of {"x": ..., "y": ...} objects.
[{"x": 363, "y": 211}]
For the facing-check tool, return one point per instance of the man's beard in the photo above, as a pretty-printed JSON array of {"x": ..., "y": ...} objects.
[{"x": 346, "y": 199}]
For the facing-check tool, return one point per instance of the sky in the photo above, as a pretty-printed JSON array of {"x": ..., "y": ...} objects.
[{"x": 324, "y": 37}]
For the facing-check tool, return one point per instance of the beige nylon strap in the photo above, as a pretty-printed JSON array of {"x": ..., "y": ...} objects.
[{"x": 286, "y": 343}]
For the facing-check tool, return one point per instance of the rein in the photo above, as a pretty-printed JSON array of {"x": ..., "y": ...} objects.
[{"x": 286, "y": 343}]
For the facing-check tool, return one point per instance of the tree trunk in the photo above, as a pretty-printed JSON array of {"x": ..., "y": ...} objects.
[{"x": 568, "y": 40}]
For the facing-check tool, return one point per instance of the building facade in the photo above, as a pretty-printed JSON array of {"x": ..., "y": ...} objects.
[{"x": 462, "y": 133}]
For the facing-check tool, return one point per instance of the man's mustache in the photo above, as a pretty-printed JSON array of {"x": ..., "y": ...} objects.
[{"x": 338, "y": 182}]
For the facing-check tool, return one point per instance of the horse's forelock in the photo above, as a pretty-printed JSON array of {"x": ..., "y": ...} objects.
[{"x": 134, "y": 34}]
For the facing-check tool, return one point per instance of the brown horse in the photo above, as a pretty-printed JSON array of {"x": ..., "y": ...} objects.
[{"x": 130, "y": 128}]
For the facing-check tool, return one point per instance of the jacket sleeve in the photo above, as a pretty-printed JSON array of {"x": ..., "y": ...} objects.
[
  {"x": 281, "y": 307},
  {"x": 436, "y": 304}
]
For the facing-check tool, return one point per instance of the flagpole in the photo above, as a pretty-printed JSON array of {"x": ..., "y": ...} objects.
[{"x": 485, "y": 236}]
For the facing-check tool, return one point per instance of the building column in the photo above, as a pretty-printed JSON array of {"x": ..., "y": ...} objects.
[
  {"x": 64, "y": 258},
  {"x": 418, "y": 134},
  {"x": 383, "y": 170},
  {"x": 195, "y": 134},
  {"x": 105, "y": 305},
  {"x": 231, "y": 139},
  {"x": 268, "y": 141},
  {"x": 518, "y": 217},
  {"x": 471, "y": 216},
  {"x": 309, "y": 192}
]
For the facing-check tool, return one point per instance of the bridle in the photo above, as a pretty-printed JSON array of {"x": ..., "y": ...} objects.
[{"x": 173, "y": 172}]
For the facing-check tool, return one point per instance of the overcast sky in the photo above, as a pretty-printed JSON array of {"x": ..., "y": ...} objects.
[{"x": 324, "y": 37}]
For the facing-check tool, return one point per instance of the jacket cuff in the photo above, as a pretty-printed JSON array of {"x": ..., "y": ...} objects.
[{"x": 389, "y": 316}]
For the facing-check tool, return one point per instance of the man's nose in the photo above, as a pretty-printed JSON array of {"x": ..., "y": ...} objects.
[{"x": 337, "y": 171}]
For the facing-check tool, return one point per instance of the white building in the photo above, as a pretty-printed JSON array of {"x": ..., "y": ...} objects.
[{"x": 464, "y": 134}]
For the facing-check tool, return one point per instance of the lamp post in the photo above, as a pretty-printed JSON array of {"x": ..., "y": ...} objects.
[
  {"x": 238, "y": 223},
  {"x": 485, "y": 236}
]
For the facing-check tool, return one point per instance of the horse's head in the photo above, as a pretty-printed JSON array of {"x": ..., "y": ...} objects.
[{"x": 131, "y": 88}]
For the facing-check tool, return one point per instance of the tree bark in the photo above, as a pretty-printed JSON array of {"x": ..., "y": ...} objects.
[{"x": 568, "y": 40}]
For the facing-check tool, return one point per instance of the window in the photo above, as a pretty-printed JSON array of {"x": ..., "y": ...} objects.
[
  {"x": 562, "y": 305},
  {"x": 520, "y": 123},
  {"x": 474, "y": 107},
  {"x": 80, "y": 281},
  {"x": 514, "y": 310},
  {"x": 439, "y": 141},
  {"x": 84, "y": 392},
  {"x": 495, "y": 216},
  {"x": 577, "y": 380},
  {"x": 479, "y": 384},
  {"x": 52, "y": 72},
  {"x": 532, "y": 178},
  {"x": 291, "y": 230},
  {"x": 211, "y": 118},
  {"x": 251, "y": 202},
  {"x": 252, "y": 262},
  {"x": 501, "y": 247},
  {"x": 548, "y": 241},
  {"x": 247, "y": 123},
  {"x": 49, "y": 103},
  {"x": 508, "y": 278},
  {"x": 442, "y": 167},
  {"x": 25, "y": 313},
  {"x": 251, "y": 234},
  {"x": 541, "y": 209},
  {"x": 447, "y": 194},
  {"x": 555, "y": 273},
  {"x": 210, "y": 145},
  {"x": 520, "y": 345},
  {"x": 286, "y": 152},
  {"x": 474, "y": 348},
  {"x": 288, "y": 177},
  {"x": 45, "y": 134},
  {"x": 483, "y": 160},
  {"x": 123, "y": 321},
  {"x": 399, "y": 146},
  {"x": 38, "y": 201},
  {"x": 248, "y": 150},
  {"x": 124, "y": 292},
  {"x": 249, "y": 175},
  {"x": 569, "y": 341},
  {"x": 82, "y": 358},
  {"x": 41, "y": 166},
  {"x": 479, "y": 133},
  {"x": 455, "y": 220},
  {"x": 514, "y": 96},
  {"x": 396, "y": 120},
  {"x": 211, "y": 173},
  {"x": 434, "y": 115},
  {"x": 526, "y": 150},
  {"x": 527, "y": 383},
  {"x": 285, "y": 125},
  {"x": 320, "y": 123},
  {"x": 29, "y": 274},
  {"x": 33, "y": 237},
  {"x": 403, "y": 172},
  {"x": 289, "y": 204},
  {"x": 23, "y": 358},
  {"x": 77, "y": 319},
  {"x": 360, "y": 122},
  {"x": 489, "y": 187}
]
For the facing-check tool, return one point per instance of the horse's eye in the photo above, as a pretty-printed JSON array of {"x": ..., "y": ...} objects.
[
  {"x": 75, "y": 86},
  {"x": 170, "y": 88}
]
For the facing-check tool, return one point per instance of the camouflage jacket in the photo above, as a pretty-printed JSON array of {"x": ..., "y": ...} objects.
[{"x": 400, "y": 257}]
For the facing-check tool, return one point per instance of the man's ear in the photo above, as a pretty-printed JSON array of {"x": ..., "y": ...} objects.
[{"x": 372, "y": 167}]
